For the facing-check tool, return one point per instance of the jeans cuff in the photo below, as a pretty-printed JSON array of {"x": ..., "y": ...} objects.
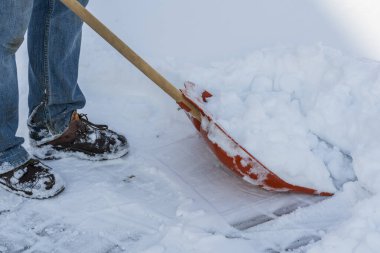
[
  {"x": 60, "y": 124},
  {"x": 12, "y": 158},
  {"x": 42, "y": 131}
]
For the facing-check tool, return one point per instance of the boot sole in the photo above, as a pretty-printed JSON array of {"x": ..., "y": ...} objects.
[
  {"x": 22, "y": 194},
  {"x": 50, "y": 153}
]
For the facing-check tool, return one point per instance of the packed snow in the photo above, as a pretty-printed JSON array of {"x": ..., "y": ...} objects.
[{"x": 170, "y": 194}]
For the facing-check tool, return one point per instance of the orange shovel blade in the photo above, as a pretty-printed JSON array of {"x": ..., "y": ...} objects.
[{"x": 231, "y": 154}]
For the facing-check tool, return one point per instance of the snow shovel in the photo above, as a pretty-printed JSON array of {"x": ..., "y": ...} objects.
[{"x": 192, "y": 99}]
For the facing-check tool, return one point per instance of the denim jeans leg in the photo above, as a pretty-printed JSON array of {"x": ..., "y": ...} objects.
[
  {"x": 14, "y": 19},
  {"x": 54, "y": 40}
]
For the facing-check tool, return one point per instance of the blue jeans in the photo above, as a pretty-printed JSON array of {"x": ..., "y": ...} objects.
[{"x": 54, "y": 38}]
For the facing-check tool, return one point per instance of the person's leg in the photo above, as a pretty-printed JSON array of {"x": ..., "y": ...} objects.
[
  {"x": 14, "y": 19},
  {"x": 18, "y": 172},
  {"x": 56, "y": 130},
  {"x": 54, "y": 40}
]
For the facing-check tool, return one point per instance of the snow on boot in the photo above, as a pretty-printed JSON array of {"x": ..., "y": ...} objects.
[
  {"x": 33, "y": 180},
  {"x": 85, "y": 140}
]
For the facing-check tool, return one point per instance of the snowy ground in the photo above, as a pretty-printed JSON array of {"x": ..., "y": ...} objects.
[{"x": 169, "y": 194}]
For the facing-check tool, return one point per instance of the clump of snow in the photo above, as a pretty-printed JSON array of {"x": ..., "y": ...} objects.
[
  {"x": 5, "y": 167},
  {"x": 310, "y": 114}
]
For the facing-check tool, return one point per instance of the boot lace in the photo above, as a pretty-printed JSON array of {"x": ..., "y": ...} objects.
[{"x": 83, "y": 117}]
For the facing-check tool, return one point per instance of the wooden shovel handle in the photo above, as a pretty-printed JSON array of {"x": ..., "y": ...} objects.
[{"x": 128, "y": 53}]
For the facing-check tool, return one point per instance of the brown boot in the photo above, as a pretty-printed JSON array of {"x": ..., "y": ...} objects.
[
  {"x": 84, "y": 140},
  {"x": 32, "y": 180}
]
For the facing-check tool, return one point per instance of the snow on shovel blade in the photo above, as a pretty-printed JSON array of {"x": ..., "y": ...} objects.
[{"x": 230, "y": 153}]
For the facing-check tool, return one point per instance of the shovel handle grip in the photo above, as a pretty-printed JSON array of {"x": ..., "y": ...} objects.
[{"x": 128, "y": 53}]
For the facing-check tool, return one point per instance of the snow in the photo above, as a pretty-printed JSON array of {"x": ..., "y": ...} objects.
[
  {"x": 359, "y": 234},
  {"x": 287, "y": 113},
  {"x": 170, "y": 194}
]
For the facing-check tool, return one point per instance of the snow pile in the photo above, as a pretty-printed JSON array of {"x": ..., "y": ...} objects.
[{"x": 310, "y": 114}]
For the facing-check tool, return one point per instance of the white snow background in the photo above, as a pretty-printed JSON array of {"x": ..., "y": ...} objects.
[{"x": 131, "y": 204}]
